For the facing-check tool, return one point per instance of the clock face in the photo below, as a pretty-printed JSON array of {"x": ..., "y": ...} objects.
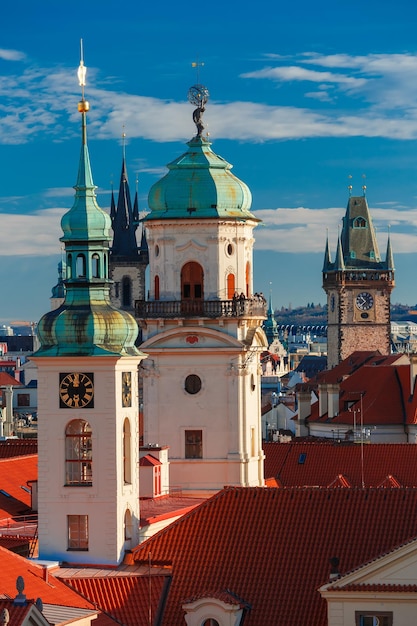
[
  {"x": 76, "y": 391},
  {"x": 126, "y": 389},
  {"x": 364, "y": 301}
]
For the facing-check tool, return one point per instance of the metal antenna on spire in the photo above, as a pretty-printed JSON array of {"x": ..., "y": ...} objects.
[{"x": 350, "y": 186}]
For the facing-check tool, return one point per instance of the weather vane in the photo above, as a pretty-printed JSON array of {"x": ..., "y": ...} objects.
[{"x": 198, "y": 95}]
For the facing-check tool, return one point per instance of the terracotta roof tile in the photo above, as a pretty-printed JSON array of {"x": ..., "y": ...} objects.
[
  {"x": 18, "y": 447},
  {"x": 51, "y": 591},
  {"x": 15, "y": 498},
  {"x": 125, "y": 598},
  {"x": 384, "y": 465},
  {"x": 271, "y": 547}
]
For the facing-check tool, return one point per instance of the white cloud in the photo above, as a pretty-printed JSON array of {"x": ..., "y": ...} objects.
[
  {"x": 11, "y": 55},
  {"x": 291, "y": 230},
  {"x": 36, "y": 234},
  {"x": 367, "y": 96}
]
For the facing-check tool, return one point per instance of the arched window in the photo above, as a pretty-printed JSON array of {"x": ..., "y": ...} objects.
[
  {"x": 359, "y": 222},
  {"x": 210, "y": 622},
  {"x": 128, "y": 525},
  {"x": 230, "y": 286},
  {"x": 247, "y": 280},
  {"x": 156, "y": 287},
  {"x": 127, "y": 453},
  {"x": 78, "y": 453},
  {"x": 126, "y": 291},
  {"x": 95, "y": 266},
  {"x": 81, "y": 267},
  {"x": 192, "y": 285},
  {"x": 69, "y": 266}
]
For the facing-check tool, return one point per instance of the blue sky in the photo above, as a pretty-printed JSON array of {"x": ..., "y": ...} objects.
[{"x": 302, "y": 96}]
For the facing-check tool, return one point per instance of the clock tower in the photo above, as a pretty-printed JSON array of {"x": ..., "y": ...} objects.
[
  {"x": 88, "y": 431},
  {"x": 358, "y": 286}
]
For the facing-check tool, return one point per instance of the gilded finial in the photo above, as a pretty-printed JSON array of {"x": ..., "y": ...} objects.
[
  {"x": 350, "y": 186},
  {"x": 83, "y": 105}
]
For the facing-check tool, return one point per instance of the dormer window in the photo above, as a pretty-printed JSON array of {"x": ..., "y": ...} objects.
[{"x": 359, "y": 222}]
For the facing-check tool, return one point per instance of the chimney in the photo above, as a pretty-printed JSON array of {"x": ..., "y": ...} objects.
[
  {"x": 322, "y": 399},
  {"x": 413, "y": 372},
  {"x": 304, "y": 411},
  {"x": 333, "y": 400},
  {"x": 334, "y": 569}
]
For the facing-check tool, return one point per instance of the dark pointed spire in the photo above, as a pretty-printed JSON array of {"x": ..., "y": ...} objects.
[
  {"x": 112, "y": 206},
  {"x": 389, "y": 258},
  {"x": 327, "y": 263},
  {"x": 125, "y": 219},
  {"x": 339, "y": 264}
]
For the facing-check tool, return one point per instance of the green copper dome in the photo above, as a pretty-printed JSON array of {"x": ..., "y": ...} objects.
[{"x": 199, "y": 184}]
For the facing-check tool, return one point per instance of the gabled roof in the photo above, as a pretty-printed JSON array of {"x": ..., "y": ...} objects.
[
  {"x": 271, "y": 547},
  {"x": 126, "y": 597},
  {"x": 39, "y": 583},
  {"x": 6, "y": 380},
  {"x": 335, "y": 465}
]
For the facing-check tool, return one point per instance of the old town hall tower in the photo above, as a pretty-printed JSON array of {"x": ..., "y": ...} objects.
[{"x": 358, "y": 286}]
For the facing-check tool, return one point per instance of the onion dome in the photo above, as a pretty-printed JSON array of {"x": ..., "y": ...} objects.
[
  {"x": 199, "y": 183},
  {"x": 86, "y": 323}
]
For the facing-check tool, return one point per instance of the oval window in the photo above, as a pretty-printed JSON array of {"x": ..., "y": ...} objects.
[{"x": 192, "y": 384}]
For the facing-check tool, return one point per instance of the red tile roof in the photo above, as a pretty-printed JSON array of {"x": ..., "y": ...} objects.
[
  {"x": 17, "y": 614},
  {"x": 330, "y": 465},
  {"x": 379, "y": 389},
  {"x": 14, "y": 475},
  {"x": 50, "y": 590},
  {"x": 158, "y": 509},
  {"x": 125, "y": 597},
  {"x": 271, "y": 547},
  {"x": 6, "y": 379},
  {"x": 18, "y": 447}
]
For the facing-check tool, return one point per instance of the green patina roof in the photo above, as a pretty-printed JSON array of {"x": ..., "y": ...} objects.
[
  {"x": 86, "y": 324},
  {"x": 85, "y": 220},
  {"x": 199, "y": 184}
]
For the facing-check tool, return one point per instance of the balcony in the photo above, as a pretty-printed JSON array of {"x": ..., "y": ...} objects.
[{"x": 211, "y": 309}]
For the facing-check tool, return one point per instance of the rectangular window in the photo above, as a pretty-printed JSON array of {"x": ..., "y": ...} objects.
[
  {"x": 373, "y": 618},
  {"x": 23, "y": 399},
  {"x": 193, "y": 444},
  {"x": 77, "y": 532}
]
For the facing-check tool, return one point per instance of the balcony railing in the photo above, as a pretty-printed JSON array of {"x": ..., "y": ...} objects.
[{"x": 250, "y": 307}]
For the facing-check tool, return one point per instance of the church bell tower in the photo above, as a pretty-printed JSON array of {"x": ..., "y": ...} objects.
[
  {"x": 202, "y": 325},
  {"x": 88, "y": 433},
  {"x": 358, "y": 285}
]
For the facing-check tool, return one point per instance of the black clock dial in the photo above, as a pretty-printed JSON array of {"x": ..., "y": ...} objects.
[
  {"x": 76, "y": 390},
  {"x": 364, "y": 301},
  {"x": 126, "y": 389}
]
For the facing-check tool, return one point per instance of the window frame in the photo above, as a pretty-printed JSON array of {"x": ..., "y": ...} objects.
[
  {"x": 360, "y": 615},
  {"x": 77, "y": 533},
  {"x": 78, "y": 454},
  {"x": 195, "y": 442}
]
